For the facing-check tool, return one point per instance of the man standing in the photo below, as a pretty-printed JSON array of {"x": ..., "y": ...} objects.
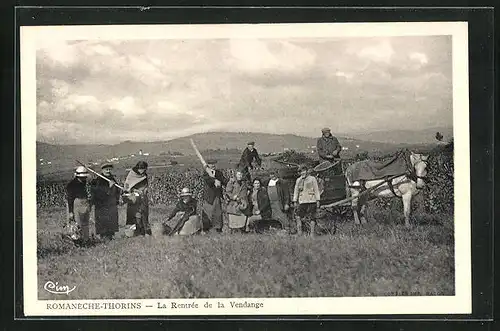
[
  {"x": 78, "y": 202},
  {"x": 306, "y": 198},
  {"x": 106, "y": 197},
  {"x": 328, "y": 148},
  {"x": 249, "y": 156},
  {"x": 212, "y": 197}
]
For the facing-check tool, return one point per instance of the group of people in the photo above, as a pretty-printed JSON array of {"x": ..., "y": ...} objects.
[
  {"x": 105, "y": 194},
  {"x": 249, "y": 202}
]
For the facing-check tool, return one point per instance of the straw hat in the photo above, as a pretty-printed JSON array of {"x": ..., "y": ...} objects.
[
  {"x": 186, "y": 192},
  {"x": 107, "y": 165},
  {"x": 81, "y": 171}
]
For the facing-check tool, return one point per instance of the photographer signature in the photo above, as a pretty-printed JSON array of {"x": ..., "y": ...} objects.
[{"x": 55, "y": 288}]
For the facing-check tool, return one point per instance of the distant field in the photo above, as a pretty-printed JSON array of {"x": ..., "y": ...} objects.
[
  {"x": 381, "y": 258},
  {"x": 159, "y": 164}
]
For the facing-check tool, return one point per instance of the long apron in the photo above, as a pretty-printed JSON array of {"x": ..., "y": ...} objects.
[
  {"x": 277, "y": 213},
  {"x": 212, "y": 214},
  {"x": 106, "y": 217},
  {"x": 236, "y": 218},
  {"x": 236, "y": 221},
  {"x": 138, "y": 214}
]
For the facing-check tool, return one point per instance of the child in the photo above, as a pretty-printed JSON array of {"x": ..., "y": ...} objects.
[{"x": 306, "y": 198}]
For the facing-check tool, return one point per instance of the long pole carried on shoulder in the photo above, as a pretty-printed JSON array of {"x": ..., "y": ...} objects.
[
  {"x": 99, "y": 175},
  {"x": 202, "y": 160}
]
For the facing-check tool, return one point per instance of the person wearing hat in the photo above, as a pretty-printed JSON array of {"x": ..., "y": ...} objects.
[
  {"x": 260, "y": 207},
  {"x": 306, "y": 198},
  {"x": 78, "y": 198},
  {"x": 248, "y": 157},
  {"x": 237, "y": 202},
  {"x": 185, "y": 215},
  {"x": 328, "y": 147},
  {"x": 279, "y": 196},
  {"x": 105, "y": 197},
  {"x": 136, "y": 197},
  {"x": 214, "y": 182}
]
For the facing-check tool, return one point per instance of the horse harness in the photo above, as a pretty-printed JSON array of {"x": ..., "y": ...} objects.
[{"x": 412, "y": 175}]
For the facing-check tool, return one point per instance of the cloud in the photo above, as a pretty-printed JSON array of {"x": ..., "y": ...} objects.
[
  {"x": 161, "y": 89},
  {"x": 347, "y": 75},
  {"x": 101, "y": 50},
  {"x": 253, "y": 56},
  {"x": 59, "y": 52},
  {"x": 380, "y": 52},
  {"x": 419, "y": 57}
]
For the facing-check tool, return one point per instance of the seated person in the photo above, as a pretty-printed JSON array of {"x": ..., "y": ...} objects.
[{"x": 184, "y": 217}]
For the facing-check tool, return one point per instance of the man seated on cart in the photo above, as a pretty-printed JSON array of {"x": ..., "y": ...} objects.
[{"x": 328, "y": 148}]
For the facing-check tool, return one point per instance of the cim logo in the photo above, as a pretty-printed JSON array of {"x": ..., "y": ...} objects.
[{"x": 55, "y": 288}]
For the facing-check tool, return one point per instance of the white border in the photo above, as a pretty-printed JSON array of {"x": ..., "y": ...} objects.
[{"x": 461, "y": 303}]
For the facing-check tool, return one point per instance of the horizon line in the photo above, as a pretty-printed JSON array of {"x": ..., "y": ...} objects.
[{"x": 338, "y": 135}]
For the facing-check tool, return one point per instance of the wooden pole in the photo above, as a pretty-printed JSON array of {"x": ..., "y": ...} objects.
[{"x": 334, "y": 204}]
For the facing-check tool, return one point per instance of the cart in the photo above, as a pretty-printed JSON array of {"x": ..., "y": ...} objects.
[{"x": 335, "y": 202}]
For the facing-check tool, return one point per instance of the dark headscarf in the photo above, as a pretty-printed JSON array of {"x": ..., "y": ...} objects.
[
  {"x": 140, "y": 165},
  {"x": 260, "y": 181}
]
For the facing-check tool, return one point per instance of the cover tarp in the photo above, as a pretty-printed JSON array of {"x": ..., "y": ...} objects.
[{"x": 371, "y": 169}]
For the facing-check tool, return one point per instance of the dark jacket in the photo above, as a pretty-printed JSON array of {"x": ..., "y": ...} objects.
[
  {"x": 283, "y": 193},
  {"x": 210, "y": 192},
  {"x": 102, "y": 194},
  {"x": 263, "y": 202},
  {"x": 328, "y": 146},
  {"x": 248, "y": 157},
  {"x": 76, "y": 190},
  {"x": 189, "y": 208}
]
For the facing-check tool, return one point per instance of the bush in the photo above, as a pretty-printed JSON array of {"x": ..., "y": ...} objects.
[{"x": 438, "y": 196}]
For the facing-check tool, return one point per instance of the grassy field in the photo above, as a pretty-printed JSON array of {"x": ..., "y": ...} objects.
[{"x": 377, "y": 259}]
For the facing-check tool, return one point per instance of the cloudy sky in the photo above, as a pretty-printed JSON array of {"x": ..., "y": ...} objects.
[{"x": 110, "y": 91}]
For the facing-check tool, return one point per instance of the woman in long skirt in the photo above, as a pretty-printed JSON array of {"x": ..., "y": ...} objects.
[
  {"x": 237, "y": 201},
  {"x": 260, "y": 206},
  {"x": 137, "y": 198}
]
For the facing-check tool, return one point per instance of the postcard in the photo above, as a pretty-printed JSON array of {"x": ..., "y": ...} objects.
[{"x": 246, "y": 169}]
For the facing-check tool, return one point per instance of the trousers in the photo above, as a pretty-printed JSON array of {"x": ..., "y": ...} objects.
[{"x": 81, "y": 211}]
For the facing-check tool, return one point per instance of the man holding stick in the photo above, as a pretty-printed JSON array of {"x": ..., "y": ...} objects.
[
  {"x": 212, "y": 193},
  {"x": 106, "y": 197},
  {"x": 212, "y": 197}
]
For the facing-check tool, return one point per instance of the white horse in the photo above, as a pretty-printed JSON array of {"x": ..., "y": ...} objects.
[{"x": 404, "y": 186}]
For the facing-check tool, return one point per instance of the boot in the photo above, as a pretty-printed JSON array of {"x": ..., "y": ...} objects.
[{"x": 313, "y": 228}]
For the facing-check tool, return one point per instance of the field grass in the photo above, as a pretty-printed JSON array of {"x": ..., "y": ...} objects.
[{"x": 376, "y": 259}]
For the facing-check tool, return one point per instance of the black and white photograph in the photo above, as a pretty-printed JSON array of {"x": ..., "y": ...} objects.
[{"x": 246, "y": 169}]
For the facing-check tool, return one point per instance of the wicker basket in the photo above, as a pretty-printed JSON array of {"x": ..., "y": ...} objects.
[
  {"x": 129, "y": 233},
  {"x": 157, "y": 229}
]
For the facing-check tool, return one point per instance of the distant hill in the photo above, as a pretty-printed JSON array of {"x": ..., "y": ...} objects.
[
  {"x": 265, "y": 143},
  {"x": 426, "y": 136}
]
